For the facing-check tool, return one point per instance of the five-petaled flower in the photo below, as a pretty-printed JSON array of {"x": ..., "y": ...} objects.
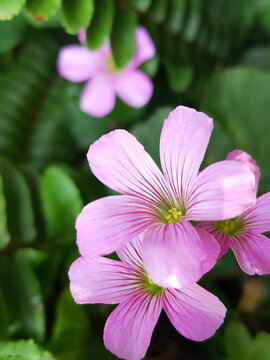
[
  {"x": 193, "y": 311},
  {"x": 243, "y": 233},
  {"x": 175, "y": 253},
  {"x": 77, "y": 64}
]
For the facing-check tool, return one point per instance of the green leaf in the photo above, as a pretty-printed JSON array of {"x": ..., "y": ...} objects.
[
  {"x": 232, "y": 97},
  {"x": 76, "y": 15},
  {"x": 158, "y": 10},
  {"x": 100, "y": 28},
  {"x": 260, "y": 348},
  {"x": 124, "y": 114},
  {"x": 61, "y": 201},
  {"x": 4, "y": 234},
  {"x": 70, "y": 328},
  {"x": 22, "y": 91},
  {"x": 23, "y": 350},
  {"x": 123, "y": 36},
  {"x": 150, "y": 67},
  {"x": 140, "y": 5},
  {"x": 32, "y": 178},
  {"x": 42, "y": 9},
  {"x": 3, "y": 316},
  {"x": 176, "y": 15},
  {"x": 194, "y": 18},
  {"x": 237, "y": 341},
  {"x": 179, "y": 76},
  {"x": 20, "y": 216},
  {"x": 10, "y": 8},
  {"x": 52, "y": 22},
  {"x": 15, "y": 30},
  {"x": 265, "y": 20},
  {"x": 258, "y": 57},
  {"x": 22, "y": 293}
]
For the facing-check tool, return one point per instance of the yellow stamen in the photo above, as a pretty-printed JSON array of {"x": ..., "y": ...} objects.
[
  {"x": 173, "y": 216},
  {"x": 229, "y": 227},
  {"x": 111, "y": 65}
]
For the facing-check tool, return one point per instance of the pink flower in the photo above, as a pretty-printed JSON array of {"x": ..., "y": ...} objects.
[
  {"x": 174, "y": 252},
  {"x": 193, "y": 311},
  {"x": 77, "y": 64},
  {"x": 243, "y": 233}
]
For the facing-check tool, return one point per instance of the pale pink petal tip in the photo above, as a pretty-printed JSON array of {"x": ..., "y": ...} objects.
[
  {"x": 75, "y": 63},
  {"x": 252, "y": 252},
  {"x": 239, "y": 155},
  {"x": 99, "y": 280},
  {"x": 134, "y": 88},
  {"x": 98, "y": 97},
  {"x": 222, "y": 191},
  {"x": 258, "y": 217},
  {"x": 194, "y": 312},
  {"x": 108, "y": 223},
  {"x": 145, "y": 48},
  {"x": 183, "y": 142},
  {"x": 120, "y": 162}
]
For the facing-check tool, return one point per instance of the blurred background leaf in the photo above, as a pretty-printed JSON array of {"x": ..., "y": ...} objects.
[
  {"x": 123, "y": 36},
  {"x": 62, "y": 203},
  {"x": 10, "y": 8},
  {"x": 23, "y": 350},
  {"x": 76, "y": 15}
]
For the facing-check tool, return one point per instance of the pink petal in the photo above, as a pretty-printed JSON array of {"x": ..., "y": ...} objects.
[
  {"x": 223, "y": 240},
  {"x": 145, "y": 48},
  {"x": 177, "y": 255},
  {"x": 106, "y": 224},
  {"x": 82, "y": 36},
  {"x": 194, "y": 312},
  {"x": 222, "y": 191},
  {"x": 183, "y": 142},
  {"x": 101, "y": 280},
  {"x": 134, "y": 88},
  {"x": 119, "y": 161},
  {"x": 246, "y": 159},
  {"x": 131, "y": 252},
  {"x": 258, "y": 217},
  {"x": 98, "y": 96},
  {"x": 76, "y": 64},
  {"x": 129, "y": 328},
  {"x": 252, "y": 251}
]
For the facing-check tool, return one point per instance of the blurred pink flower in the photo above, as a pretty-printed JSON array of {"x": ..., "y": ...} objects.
[
  {"x": 193, "y": 311},
  {"x": 243, "y": 233},
  {"x": 174, "y": 252},
  {"x": 77, "y": 64}
]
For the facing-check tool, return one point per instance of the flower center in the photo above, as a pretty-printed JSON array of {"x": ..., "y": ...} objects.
[
  {"x": 150, "y": 285},
  {"x": 228, "y": 227},
  {"x": 111, "y": 65},
  {"x": 173, "y": 215}
]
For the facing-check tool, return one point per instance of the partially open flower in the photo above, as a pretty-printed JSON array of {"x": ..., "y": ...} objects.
[{"x": 243, "y": 233}]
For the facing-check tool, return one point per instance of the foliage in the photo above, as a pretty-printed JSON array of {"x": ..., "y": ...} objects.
[{"x": 213, "y": 55}]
